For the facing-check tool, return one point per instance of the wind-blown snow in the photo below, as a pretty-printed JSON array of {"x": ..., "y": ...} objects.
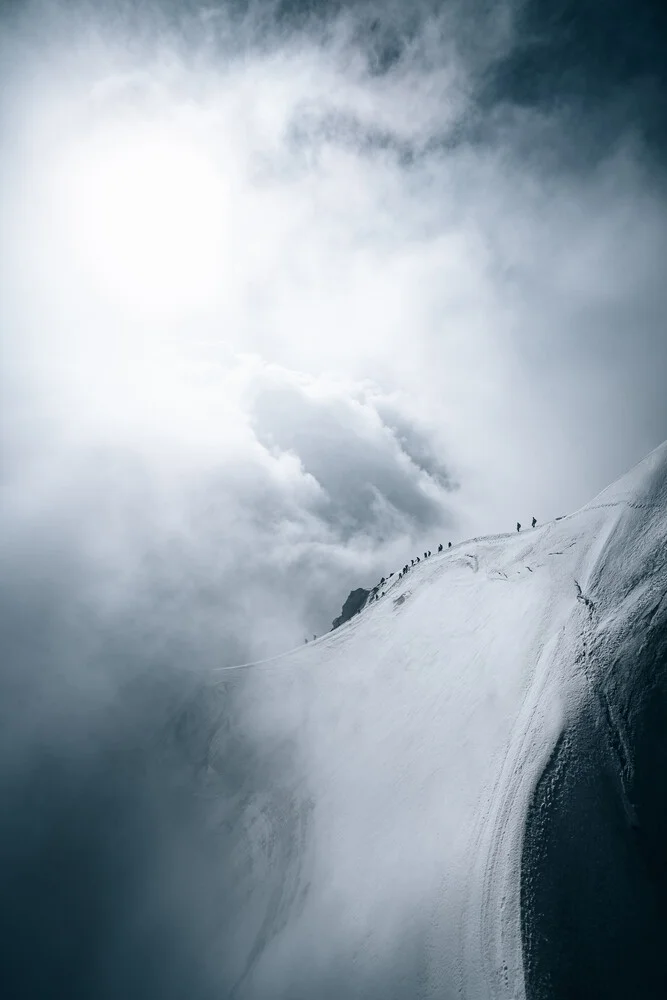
[{"x": 377, "y": 839}]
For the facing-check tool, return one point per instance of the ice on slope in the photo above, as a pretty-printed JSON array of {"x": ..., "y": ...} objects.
[{"x": 377, "y": 844}]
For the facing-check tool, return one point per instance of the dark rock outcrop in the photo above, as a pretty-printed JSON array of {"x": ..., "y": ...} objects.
[{"x": 353, "y": 605}]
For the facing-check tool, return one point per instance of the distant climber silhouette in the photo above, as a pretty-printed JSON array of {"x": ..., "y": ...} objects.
[
  {"x": 440, "y": 547},
  {"x": 449, "y": 545},
  {"x": 534, "y": 521},
  {"x": 518, "y": 526}
]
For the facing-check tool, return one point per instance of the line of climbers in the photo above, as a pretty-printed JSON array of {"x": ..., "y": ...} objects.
[
  {"x": 374, "y": 594},
  {"x": 358, "y": 598}
]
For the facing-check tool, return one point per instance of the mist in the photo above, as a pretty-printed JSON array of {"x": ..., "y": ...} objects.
[{"x": 290, "y": 294}]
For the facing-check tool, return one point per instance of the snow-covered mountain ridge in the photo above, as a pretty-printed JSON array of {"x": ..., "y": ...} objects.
[{"x": 458, "y": 792}]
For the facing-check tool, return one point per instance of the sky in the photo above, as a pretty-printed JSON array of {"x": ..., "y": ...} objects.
[
  {"x": 292, "y": 292},
  {"x": 305, "y": 289}
]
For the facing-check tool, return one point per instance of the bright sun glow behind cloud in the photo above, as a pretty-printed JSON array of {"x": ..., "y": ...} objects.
[{"x": 145, "y": 212}]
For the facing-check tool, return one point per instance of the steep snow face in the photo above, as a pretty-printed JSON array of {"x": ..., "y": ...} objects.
[
  {"x": 594, "y": 873},
  {"x": 376, "y": 841}
]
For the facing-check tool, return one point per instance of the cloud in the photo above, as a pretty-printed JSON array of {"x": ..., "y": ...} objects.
[
  {"x": 289, "y": 293},
  {"x": 338, "y": 217},
  {"x": 362, "y": 464}
]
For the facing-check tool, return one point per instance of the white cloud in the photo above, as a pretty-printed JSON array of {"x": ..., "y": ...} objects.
[{"x": 421, "y": 307}]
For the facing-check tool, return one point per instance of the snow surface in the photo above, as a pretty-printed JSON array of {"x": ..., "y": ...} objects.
[{"x": 377, "y": 840}]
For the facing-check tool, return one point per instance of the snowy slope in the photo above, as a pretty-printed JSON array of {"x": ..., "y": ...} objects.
[{"x": 378, "y": 839}]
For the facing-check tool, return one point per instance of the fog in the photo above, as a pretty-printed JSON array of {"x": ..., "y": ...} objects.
[{"x": 289, "y": 294}]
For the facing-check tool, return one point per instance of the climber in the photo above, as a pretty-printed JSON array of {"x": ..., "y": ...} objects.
[
  {"x": 518, "y": 526},
  {"x": 534, "y": 521},
  {"x": 440, "y": 547},
  {"x": 449, "y": 545}
]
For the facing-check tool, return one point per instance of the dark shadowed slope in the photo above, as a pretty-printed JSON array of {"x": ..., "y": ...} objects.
[{"x": 594, "y": 871}]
